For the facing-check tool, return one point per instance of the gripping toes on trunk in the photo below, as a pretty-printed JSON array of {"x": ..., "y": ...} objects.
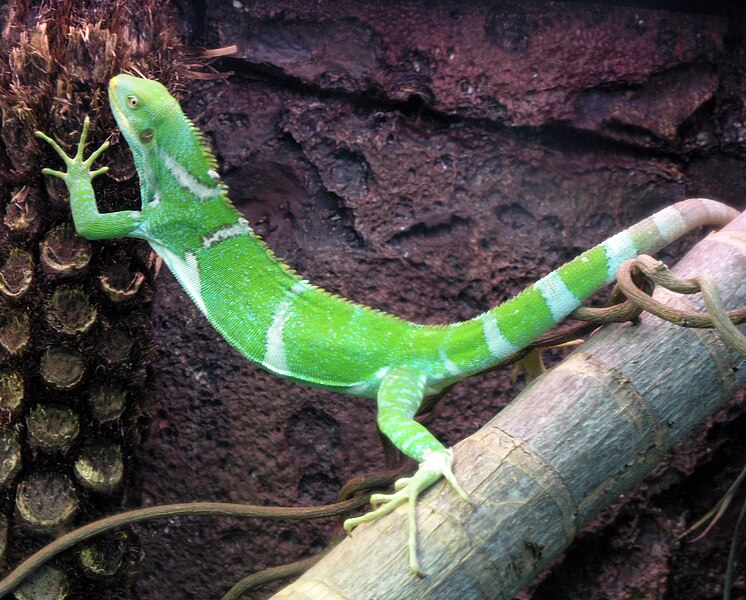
[
  {"x": 399, "y": 397},
  {"x": 76, "y": 165},
  {"x": 89, "y": 222}
]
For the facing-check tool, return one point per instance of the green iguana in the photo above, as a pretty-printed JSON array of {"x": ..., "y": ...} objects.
[{"x": 297, "y": 330}]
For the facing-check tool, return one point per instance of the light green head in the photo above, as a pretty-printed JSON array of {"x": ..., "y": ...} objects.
[
  {"x": 140, "y": 106},
  {"x": 159, "y": 134}
]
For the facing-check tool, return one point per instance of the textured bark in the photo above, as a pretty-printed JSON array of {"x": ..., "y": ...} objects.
[
  {"x": 564, "y": 449},
  {"x": 74, "y": 315},
  {"x": 51, "y": 428}
]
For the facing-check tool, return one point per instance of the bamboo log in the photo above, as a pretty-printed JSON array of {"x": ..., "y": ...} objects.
[
  {"x": 120, "y": 283},
  {"x": 10, "y": 456},
  {"x": 565, "y": 448},
  {"x": 16, "y": 274},
  {"x": 21, "y": 216},
  {"x": 3, "y": 535},
  {"x": 104, "y": 557},
  {"x": 46, "y": 501},
  {"x": 115, "y": 346},
  {"x": 70, "y": 311},
  {"x": 99, "y": 467},
  {"x": 48, "y": 583},
  {"x": 107, "y": 401},
  {"x": 15, "y": 332}
]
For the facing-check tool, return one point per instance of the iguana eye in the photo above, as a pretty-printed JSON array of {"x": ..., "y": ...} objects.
[
  {"x": 132, "y": 101},
  {"x": 146, "y": 136}
]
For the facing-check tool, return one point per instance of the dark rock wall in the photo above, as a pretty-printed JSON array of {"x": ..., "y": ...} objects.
[{"x": 431, "y": 159}]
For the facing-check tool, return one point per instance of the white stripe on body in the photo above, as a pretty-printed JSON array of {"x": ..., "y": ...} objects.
[
  {"x": 618, "y": 248},
  {"x": 451, "y": 367},
  {"x": 499, "y": 346},
  {"x": 189, "y": 182},
  {"x": 186, "y": 271},
  {"x": 275, "y": 357},
  {"x": 560, "y": 300},
  {"x": 670, "y": 223},
  {"x": 241, "y": 227}
]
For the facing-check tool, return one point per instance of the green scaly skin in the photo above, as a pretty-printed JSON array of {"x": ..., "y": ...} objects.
[{"x": 300, "y": 332}]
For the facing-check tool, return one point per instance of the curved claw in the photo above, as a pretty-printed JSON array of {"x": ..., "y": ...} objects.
[
  {"x": 53, "y": 173},
  {"x": 98, "y": 172},
  {"x": 401, "y": 483},
  {"x": 433, "y": 467}
]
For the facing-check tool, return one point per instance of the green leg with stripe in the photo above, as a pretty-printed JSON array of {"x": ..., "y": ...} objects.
[{"x": 399, "y": 396}]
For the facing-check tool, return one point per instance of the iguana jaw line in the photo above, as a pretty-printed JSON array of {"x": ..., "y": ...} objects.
[
  {"x": 119, "y": 115},
  {"x": 149, "y": 192}
]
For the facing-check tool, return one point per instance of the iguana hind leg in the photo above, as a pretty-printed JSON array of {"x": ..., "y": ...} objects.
[{"x": 399, "y": 397}]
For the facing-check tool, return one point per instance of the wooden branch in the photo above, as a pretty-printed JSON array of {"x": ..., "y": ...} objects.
[{"x": 568, "y": 445}]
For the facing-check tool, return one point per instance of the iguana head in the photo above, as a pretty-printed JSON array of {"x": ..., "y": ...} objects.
[
  {"x": 162, "y": 139},
  {"x": 140, "y": 106}
]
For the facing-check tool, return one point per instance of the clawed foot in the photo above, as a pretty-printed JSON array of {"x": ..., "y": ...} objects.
[
  {"x": 76, "y": 166},
  {"x": 532, "y": 365},
  {"x": 433, "y": 467}
]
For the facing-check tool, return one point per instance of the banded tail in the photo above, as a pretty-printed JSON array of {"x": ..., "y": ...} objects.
[{"x": 472, "y": 346}]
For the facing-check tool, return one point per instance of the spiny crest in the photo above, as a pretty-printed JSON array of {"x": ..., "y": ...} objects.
[
  {"x": 333, "y": 296},
  {"x": 195, "y": 156},
  {"x": 312, "y": 287},
  {"x": 152, "y": 120},
  {"x": 210, "y": 159}
]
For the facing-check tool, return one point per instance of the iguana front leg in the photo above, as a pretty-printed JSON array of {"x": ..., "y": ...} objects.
[
  {"x": 399, "y": 397},
  {"x": 89, "y": 223}
]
